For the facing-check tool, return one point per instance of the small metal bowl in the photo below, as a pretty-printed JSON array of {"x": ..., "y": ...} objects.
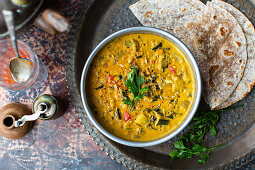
[{"x": 172, "y": 39}]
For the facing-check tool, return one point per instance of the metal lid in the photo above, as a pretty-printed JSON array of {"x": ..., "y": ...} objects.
[
  {"x": 21, "y": 3},
  {"x": 52, "y": 106}
]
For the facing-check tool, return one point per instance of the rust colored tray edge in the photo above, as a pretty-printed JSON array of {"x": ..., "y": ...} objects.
[{"x": 99, "y": 139}]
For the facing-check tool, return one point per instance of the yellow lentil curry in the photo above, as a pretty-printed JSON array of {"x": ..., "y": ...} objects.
[{"x": 140, "y": 87}]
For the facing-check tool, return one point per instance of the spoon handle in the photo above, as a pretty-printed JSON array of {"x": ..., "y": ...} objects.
[{"x": 9, "y": 20}]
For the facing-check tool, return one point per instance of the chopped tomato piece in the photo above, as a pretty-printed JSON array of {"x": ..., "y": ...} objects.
[
  {"x": 110, "y": 77},
  {"x": 172, "y": 69},
  {"x": 126, "y": 116},
  {"x": 118, "y": 87},
  {"x": 152, "y": 61}
]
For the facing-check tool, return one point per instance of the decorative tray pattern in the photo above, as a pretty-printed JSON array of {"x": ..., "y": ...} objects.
[{"x": 236, "y": 128}]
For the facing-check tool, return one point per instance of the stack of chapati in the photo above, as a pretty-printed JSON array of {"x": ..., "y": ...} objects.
[{"x": 220, "y": 37}]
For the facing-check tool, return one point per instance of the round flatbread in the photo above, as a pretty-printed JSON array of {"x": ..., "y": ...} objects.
[
  {"x": 248, "y": 79},
  {"x": 213, "y": 35}
]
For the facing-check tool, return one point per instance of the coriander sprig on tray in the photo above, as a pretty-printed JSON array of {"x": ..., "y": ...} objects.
[
  {"x": 190, "y": 143},
  {"x": 183, "y": 151}
]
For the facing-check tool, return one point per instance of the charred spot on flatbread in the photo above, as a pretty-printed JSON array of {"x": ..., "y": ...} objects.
[
  {"x": 212, "y": 84},
  {"x": 148, "y": 14},
  {"x": 199, "y": 40},
  {"x": 238, "y": 43},
  {"x": 228, "y": 53},
  {"x": 223, "y": 31},
  {"x": 229, "y": 83},
  {"x": 184, "y": 9},
  {"x": 213, "y": 69}
]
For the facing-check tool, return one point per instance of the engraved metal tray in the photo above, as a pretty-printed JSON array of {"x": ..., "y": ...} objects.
[{"x": 99, "y": 19}]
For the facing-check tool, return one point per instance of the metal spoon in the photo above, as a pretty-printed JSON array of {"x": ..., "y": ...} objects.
[{"x": 20, "y": 68}]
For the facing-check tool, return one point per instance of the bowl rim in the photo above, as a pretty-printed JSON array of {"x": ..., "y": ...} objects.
[{"x": 171, "y": 38}]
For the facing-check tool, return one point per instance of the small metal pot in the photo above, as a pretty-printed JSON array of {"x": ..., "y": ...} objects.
[{"x": 172, "y": 39}]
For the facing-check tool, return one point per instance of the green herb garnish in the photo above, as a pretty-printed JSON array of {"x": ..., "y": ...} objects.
[
  {"x": 119, "y": 54},
  {"x": 148, "y": 110},
  {"x": 170, "y": 116},
  {"x": 183, "y": 151},
  {"x": 157, "y": 110},
  {"x": 117, "y": 113},
  {"x": 157, "y": 46},
  {"x": 189, "y": 144},
  {"x": 155, "y": 98},
  {"x": 127, "y": 101},
  {"x": 99, "y": 87},
  {"x": 134, "y": 84},
  {"x": 162, "y": 122},
  {"x": 140, "y": 56},
  {"x": 202, "y": 123}
]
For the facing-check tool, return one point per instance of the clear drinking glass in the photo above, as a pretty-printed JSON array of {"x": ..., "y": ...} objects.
[{"x": 39, "y": 72}]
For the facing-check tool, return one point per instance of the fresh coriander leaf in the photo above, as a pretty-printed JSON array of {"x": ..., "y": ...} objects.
[
  {"x": 132, "y": 74},
  {"x": 212, "y": 130},
  {"x": 200, "y": 137},
  {"x": 182, "y": 154},
  {"x": 189, "y": 151},
  {"x": 145, "y": 89},
  {"x": 218, "y": 146},
  {"x": 139, "y": 96},
  {"x": 134, "y": 83},
  {"x": 201, "y": 126},
  {"x": 179, "y": 144},
  {"x": 191, "y": 137},
  {"x": 132, "y": 86},
  {"x": 128, "y": 101},
  {"x": 139, "y": 81},
  {"x": 189, "y": 144},
  {"x": 173, "y": 154},
  {"x": 197, "y": 149},
  {"x": 203, "y": 158}
]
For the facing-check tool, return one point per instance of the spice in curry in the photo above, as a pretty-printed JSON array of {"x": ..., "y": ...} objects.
[{"x": 140, "y": 87}]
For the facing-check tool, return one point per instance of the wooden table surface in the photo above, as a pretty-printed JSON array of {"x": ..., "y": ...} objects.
[{"x": 61, "y": 143}]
